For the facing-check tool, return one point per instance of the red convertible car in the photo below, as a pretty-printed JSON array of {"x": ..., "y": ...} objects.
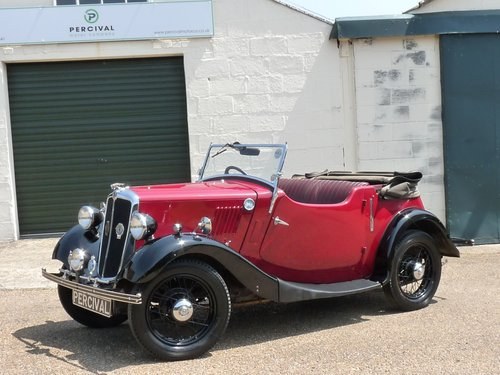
[{"x": 173, "y": 259}]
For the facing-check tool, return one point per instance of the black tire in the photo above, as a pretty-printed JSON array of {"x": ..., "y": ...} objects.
[
  {"x": 415, "y": 272},
  {"x": 184, "y": 312},
  {"x": 85, "y": 317}
]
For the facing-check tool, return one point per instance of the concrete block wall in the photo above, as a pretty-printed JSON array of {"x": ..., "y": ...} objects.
[
  {"x": 398, "y": 97},
  {"x": 7, "y": 191},
  {"x": 269, "y": 74}
]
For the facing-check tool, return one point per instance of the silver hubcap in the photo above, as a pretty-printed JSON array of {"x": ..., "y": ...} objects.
[
  {"x": 418, "y": 271},
  {"x": 182, "y": 310}
]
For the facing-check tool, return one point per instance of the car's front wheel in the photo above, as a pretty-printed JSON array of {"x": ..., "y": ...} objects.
[
  {"x": 415, "y": 272},
  {"x": 85, "y": 317},
  {"x": 184, "y": 311}
]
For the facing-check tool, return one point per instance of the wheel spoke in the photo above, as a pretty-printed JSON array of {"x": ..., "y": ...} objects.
[
  {"x": 410, "y": 286},
  {"x": 185, "y": 310},
  {"x": 195, "y": 323},
  {"x": 160, "y": 315},
  {"x": 415, "y": 271}
]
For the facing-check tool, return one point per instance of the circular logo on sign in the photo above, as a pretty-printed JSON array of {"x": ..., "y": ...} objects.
[{"x": 91, "y": 16}]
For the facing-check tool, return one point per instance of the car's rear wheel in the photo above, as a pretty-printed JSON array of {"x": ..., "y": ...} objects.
[
  {"x": 184, "y": 311},
  {"x": 86, "y": 317},
  {"x": 415, "y": 272}
]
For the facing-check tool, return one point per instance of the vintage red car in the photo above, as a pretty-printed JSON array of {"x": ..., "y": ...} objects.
[{"x": 173, "y": 259}]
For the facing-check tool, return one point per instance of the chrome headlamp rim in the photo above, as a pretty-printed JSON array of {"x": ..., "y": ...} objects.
[
  {"x": 77, "y": 259},
  {"x": 89, "y": 216},
  {"x": 142, "y": 226}
]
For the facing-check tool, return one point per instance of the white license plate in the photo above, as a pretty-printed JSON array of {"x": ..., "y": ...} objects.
[{"x": 101, "y": 306}]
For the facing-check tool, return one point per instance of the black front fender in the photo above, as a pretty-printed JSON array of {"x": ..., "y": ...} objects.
[
  {"x": 152, "y": 258},
  {"x": 76, "y": 237},
  {"x": 411, "y": 219}
]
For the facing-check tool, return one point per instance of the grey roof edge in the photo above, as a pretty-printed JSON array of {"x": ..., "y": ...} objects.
[
  {"x": 305, "y": 11},
  {"x": 455, "y": 22},
  {"x": 419, "y": 5}
]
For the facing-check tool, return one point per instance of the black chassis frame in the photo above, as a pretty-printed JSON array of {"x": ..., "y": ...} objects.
[{"x": 155, "y": 256}]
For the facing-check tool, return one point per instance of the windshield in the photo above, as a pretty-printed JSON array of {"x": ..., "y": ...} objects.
[{"x": 263, "y": 162}]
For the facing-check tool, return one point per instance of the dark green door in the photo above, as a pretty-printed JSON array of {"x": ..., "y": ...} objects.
[
  {"x": 77, "y": 127},
  {"x": 470, "y": 66}
]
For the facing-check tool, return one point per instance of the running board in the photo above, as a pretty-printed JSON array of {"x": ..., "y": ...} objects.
[{"x": 293, "y": 292}]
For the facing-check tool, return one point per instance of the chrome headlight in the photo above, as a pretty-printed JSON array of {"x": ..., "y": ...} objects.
[
  {"x": 142, "y": 226},
  {"x": 89, "y": 216},
  {"x": 76, "y": 259},
  {"x": 205, "y": 225}
]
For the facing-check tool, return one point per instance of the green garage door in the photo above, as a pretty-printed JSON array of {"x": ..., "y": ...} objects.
[
  {"x": 470, "y": 66},
  {"x": 79, "y": 126}
]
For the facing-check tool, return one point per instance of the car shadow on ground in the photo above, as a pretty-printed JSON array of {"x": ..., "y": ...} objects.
[
  {"x": 254, "y": 324},
  {"x": 104, "y": 350}
]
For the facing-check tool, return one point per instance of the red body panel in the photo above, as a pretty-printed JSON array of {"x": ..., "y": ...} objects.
[
  {"x": 186, "y": 204},
  {"x": 323, "y": 243},
  {"x": 326, "y": 243}
]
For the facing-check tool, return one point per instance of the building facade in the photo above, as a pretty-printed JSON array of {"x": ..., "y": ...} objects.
[
  {"x": 267, "y": 73},
  {"x": 426, "y": 98},
  {"x": 134, "y": 91}
]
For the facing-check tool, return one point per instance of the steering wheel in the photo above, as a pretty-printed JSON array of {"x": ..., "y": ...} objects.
[{"x": 226, "y": 171}]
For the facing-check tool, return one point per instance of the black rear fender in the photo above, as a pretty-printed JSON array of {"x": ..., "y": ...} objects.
[{"x": 410, "y": 219}]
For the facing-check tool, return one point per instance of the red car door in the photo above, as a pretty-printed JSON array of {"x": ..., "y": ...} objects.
[{"x": 318, "y": 243}]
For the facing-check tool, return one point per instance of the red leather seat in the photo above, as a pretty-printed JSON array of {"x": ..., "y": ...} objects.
[{"x": 318, "y": 191}]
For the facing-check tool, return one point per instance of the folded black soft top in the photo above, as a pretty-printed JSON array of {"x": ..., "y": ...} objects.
[{"x": 395, "y": 185}]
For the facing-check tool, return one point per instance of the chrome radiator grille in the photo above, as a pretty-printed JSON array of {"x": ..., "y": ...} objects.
[{"x": 117, "y": 245}]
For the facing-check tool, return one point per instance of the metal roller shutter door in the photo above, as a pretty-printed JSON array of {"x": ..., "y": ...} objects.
[
  {"x": 79, "y": 126},
  {"x": 470, "y": 66}
]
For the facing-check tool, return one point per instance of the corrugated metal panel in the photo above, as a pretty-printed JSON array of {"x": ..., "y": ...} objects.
[{"x": 79, "y": 126}]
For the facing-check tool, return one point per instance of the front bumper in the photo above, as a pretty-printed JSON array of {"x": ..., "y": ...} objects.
[{"x": 134, "y": 299}]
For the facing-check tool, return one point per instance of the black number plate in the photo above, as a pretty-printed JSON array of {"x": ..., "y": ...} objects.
[{"x": 101, "y": 306}]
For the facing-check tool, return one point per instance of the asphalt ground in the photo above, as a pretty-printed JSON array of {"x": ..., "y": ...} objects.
[{"x": 459, "y": 333}]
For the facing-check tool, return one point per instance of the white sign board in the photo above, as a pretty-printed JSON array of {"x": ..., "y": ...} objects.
[{"x": 68, "y": 24}]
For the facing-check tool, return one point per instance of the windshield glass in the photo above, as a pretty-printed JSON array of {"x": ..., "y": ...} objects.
[{"x": 263, "y": 162}]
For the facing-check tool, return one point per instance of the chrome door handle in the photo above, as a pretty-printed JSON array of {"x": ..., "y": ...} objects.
[{"x": 278, "y": 221}]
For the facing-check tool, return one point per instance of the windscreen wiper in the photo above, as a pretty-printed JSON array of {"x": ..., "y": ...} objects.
[{"x": 224, "y": 148}]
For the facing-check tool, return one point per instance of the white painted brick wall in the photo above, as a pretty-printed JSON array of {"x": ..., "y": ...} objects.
[
  {"x": 213, "y": 68},
  {"x": 248, "y": 67},
  {"x": 310, "y": 43},
  {"x": 268, "y": 46},
  {"x": 7, "y": 206},
  {"x": 280, "y": 78},
  {"x": 269, "y": 84},
  {"x": 227, "y": 86},
  {"x": 399, "y": 110},
  {"x": 231, "y": 47},
  {"x": 288, "y": 64},
  {"x": 216, "y": 105},
  {"x": 269, "y": 74}
]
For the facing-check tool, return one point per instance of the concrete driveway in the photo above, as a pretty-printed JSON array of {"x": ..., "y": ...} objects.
[{"x": 459, "y": 333}]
